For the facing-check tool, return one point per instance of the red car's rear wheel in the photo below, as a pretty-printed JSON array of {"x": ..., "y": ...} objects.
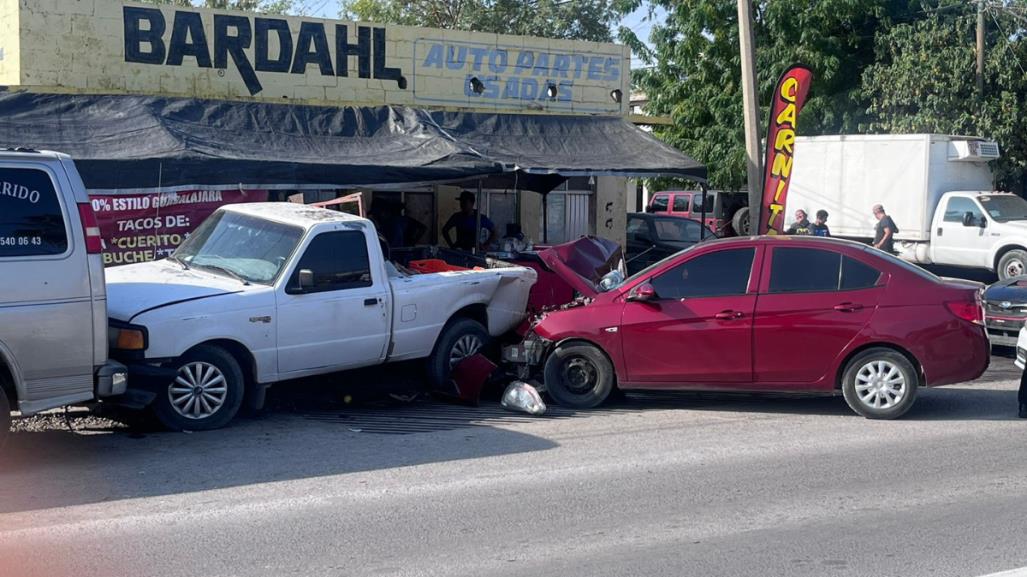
[{"x": 880, "y": 383}]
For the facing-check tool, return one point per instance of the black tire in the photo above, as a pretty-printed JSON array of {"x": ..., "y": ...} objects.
[
  {"x": 193, "y": 369},
  {"x": 740, "y": 222},
  {"x": 5, "y": 418},
  {"x": 579, "y": 376},
  {"x": 866, "y": 382},
  {"x": 1012, "y": 263},
  {"x": 452, "y": 346}
]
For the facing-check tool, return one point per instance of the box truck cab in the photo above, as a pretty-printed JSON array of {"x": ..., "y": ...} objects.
[{"x": 937, "y": 189}]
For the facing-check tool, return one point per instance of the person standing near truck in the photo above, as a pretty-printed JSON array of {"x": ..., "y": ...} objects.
[
  {"x": 466, "y": 223},
  {"x": 801, "y": 224},
  {"x": 819, "y": 227},
  {"x": 884, "y": 232}
]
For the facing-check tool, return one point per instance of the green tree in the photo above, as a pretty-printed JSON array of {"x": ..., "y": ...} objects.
[
  {"x": 265, "y": 6},
  {"x": 923, "y": 80},
  {"x": 693, "y": 71},
  {"x": 576, "y": 19}
]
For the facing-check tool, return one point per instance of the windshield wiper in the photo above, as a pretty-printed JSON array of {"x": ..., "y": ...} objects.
[
  {"x": 227, "y": 271},
  {"x": 174, "y": 258}
]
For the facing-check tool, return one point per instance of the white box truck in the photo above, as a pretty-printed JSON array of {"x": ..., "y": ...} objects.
[{"x": 937, "y": 189}]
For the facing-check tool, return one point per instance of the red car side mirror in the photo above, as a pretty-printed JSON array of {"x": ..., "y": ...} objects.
[{"x": 642, "y": 293}]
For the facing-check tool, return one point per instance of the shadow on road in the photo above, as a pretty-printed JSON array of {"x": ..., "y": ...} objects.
[{"x": 56, "y": 468}]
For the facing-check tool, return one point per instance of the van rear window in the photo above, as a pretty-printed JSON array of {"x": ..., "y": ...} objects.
[{"x": 31, "y": 219}]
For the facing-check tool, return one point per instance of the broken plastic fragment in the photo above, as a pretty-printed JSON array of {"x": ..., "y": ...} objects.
[{"x": 520, "y": 396}]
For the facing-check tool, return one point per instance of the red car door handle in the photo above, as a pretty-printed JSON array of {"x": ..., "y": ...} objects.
[
  {"x": 728, "y": 315},
  {"x": 848, "y": 307}
]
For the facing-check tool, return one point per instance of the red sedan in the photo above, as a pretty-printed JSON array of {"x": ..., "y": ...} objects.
[{"x": 781, "y": 314}]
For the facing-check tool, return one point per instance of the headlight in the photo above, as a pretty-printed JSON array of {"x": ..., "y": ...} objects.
[{"x": 125, "y": 337}]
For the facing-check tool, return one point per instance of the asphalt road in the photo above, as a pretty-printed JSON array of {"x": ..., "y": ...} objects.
[{"x": 654, "y": 485}]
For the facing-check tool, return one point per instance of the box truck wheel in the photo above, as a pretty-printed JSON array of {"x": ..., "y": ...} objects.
[{"x": 1013, "y": 263}]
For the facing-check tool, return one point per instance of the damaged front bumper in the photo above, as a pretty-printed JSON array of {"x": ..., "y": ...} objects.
[{"x": 530, "y": 352}]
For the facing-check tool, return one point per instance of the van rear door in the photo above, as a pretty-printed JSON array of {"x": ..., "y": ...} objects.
[{"x": 46, "y": 304}]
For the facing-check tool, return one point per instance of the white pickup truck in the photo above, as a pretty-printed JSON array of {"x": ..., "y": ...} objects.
[{"x": 264, "y": 292}]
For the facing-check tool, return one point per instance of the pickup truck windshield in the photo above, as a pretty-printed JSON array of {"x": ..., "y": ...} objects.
[
  {"x": 1004, "y": 207},
  {"x": 237, "y": 245}
]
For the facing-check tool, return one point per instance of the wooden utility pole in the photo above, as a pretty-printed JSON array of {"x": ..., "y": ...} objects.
[
  {"x": 751, "y": 112},
  {"x": 980, "y": 46}
]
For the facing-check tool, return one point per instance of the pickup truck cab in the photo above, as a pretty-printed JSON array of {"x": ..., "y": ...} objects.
[
  {"x": 264, "y": 292},
  {"x": 52, "y": 293},
  {"x": 981, "y": 230}
]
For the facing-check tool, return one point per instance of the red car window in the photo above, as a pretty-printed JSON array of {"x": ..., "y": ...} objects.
[
  {"x": 681, "y": 202},
  {"x": 659, "y": 203},
  {"x": 720, "y": 273}
]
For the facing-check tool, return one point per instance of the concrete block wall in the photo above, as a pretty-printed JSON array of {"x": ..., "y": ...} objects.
[
  {"x": 10, "y": 44},
  {"x": 80, "y": 45}
]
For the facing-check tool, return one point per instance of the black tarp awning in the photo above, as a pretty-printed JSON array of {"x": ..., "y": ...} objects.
[
  {"x": 141, "y": 142},
  {"x": 125, "y": 142},
  {"x": 569, "y": 145}
]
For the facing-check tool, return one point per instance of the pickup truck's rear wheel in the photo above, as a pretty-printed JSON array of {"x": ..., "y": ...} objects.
[
  {"x": 579, "y": 376},
  {"x": 206, "y": 393},
  {"x": 460, "y": 339},
  {"x": 5, "y": 418},
  {"x": 1012, "y": 263}
]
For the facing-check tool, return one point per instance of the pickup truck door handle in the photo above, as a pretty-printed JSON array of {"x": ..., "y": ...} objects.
[
  {"x": 939, "y": 230},
  {"x": 728, "y": 315},
  {"x": 848, "y": 307},
  {"x": 370, "y": 302}
]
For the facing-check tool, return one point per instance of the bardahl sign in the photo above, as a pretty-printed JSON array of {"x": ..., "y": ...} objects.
[
  {"x": 171, "y": 49},
  {"x": 234, "y": 35}
]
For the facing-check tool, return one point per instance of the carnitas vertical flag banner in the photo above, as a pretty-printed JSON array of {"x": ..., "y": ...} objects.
[{"x": 789, "y": 96}]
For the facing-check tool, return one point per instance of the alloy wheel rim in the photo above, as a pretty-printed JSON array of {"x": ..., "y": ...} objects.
[
  {"x": 464, "y": 347},
  {"x": 880, "y": 384},
  {"x": 198, "y": 391},
  {"x": 1014, "y": 268}
]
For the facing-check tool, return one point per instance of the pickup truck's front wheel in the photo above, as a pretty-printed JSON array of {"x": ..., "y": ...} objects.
[
  {"x": 460, "y": 339},
  {"x": 206, "y": 393},
  {"x": 1012, "y": 263}
]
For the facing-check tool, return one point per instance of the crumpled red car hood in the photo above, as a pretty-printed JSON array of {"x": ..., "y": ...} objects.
[{"x": 583, "y": 262}]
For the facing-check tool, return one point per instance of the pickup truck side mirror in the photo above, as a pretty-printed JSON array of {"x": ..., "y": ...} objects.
[
  {"x": 306, "y": 278},
  {"x": 643, "y": 293}
]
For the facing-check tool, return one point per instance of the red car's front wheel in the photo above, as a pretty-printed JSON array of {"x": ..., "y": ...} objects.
[{"x": 579, "y": 376}]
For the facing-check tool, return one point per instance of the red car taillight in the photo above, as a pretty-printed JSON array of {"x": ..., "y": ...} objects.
[
  {"x": 967, "y": 310},
  {"x": 94, "y": 242}
]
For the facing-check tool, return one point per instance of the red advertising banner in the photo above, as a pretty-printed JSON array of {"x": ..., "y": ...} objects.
[
  {"x": 145, "y": 227},
  {"x": 789, "y": 97}
]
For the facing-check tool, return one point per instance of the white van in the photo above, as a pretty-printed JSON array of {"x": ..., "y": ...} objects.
[{"x": 53, "y": 302}]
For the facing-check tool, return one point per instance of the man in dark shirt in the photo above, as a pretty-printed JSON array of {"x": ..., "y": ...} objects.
[
  {"x": 819, "y": 227},
  {"x": 466, "y": 222},
  {"x": 801, "y": 224},
  {"x": 884, "y": 233}
]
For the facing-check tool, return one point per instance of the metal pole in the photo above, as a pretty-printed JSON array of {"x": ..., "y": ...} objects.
[
  {"x": 477, "y": 218},
  {"x": 545, "y": 218},
  {"x": 980, "y": 47},
  {"x": 747, "y": 45}
]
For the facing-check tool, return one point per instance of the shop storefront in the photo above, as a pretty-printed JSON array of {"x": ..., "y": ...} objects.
[{"x": 170, "y": 112}]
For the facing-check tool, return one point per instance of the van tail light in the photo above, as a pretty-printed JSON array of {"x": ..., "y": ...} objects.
[
  {"x": 94, "y": 242},
  {"x": 971, "y": 311}
]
